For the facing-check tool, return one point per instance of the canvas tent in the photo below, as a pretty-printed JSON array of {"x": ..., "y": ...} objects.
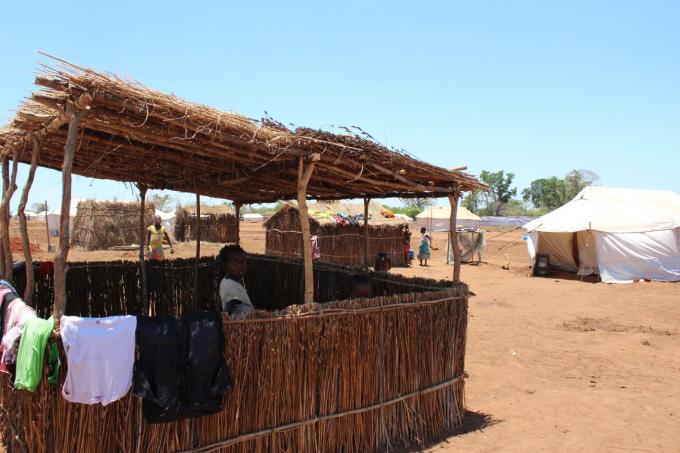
[
  {"x": 54, "y": 219},
  {"x": 620, "y": 234},
  {"x": 436, "y": 218}
]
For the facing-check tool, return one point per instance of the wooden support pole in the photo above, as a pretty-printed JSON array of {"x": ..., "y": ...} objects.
[
  {"x": 304, "y": 174},
  {"x": 60, "y": 260},
  {"x": 4, "y": 209},
  {"x": 366, "y": 262},
  {"x": 237, "y": 207},
  {"x": 198, "y": 249},
  {"x": 47, "y": 228},
  {"x": 142, "y": 251},
  {"x": 25, "y": 242},
  {"x": 5, "y": 186},
  {"x": 453, "y": 236}
]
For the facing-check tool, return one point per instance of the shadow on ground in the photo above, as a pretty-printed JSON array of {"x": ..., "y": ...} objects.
[{"x": 473, "y": 421}]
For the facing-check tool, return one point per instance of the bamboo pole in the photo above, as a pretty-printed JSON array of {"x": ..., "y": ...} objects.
[
  {"x": 304, "y": 174},
  {"x": 25, "y": 243},
  {"x": 237, "y": 207},
  {"x": 198, "y": 249},
  {"x": 142, "y": 248},
  {"x": 5, "y": 186},
  {"x": 60, "y": 266},
  {"x": 4, "y": 208},
  {"x": 453, "y": 236},
  {"x": 366, "y": 203}
]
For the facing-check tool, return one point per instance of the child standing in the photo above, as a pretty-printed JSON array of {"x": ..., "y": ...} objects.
[
  {"x": 234, "y": 297},
  {"x": 425, "y": 246}
]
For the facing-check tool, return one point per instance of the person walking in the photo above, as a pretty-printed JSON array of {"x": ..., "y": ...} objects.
[{"x": 154, "y": 239}]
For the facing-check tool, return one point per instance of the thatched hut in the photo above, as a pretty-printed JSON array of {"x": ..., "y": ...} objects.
[
  {"x": 218, "y": 224},
  {"x": 99, "y": 225},
  {"x": 313, "y": 370},
  {"x": 339, "y": 229}
]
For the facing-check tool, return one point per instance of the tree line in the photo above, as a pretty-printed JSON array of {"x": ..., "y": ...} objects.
[{"x": 543, "y": 195}]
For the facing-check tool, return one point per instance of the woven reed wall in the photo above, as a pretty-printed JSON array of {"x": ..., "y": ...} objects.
[
  {"x": 99, "y": 225},
  {"x": 338, "y": 244},
  {"x": 214, "y": 227},
  {"x": 317, "y": 381},
  {"x": 112, "y": 288}
]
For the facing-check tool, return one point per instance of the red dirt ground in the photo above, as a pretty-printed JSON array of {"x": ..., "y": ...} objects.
[{"x": 554, "y": 364}]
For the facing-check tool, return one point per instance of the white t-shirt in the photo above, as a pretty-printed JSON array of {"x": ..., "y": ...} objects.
[
  {"x": 232, "y": 290},
  {"x": 100, "y": 353}
]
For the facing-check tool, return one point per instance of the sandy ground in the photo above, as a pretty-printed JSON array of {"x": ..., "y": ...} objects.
[{"x": 554, "y": 364}]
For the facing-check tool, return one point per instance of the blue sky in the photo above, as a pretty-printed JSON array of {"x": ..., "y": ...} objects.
[{"x": 533, "y": 87}]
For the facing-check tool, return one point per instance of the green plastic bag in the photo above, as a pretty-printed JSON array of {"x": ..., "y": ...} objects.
[{"x": 32, "y": 353}]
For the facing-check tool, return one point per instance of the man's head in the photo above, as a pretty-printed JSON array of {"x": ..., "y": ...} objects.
[
  {"x": 233, "y": 260},
  {"x": 360, "y": 286},
  {"x": 157, "y": 220}
]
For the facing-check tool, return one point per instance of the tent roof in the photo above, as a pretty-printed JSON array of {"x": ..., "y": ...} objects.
[
  {"x": 135, "y": 134},
  {"x": 444, "y": 213},
  {"x": 613, "y": 210}
]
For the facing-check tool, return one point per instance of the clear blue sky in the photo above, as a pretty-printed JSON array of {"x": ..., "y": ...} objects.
[{"x": 533, "y": 87}]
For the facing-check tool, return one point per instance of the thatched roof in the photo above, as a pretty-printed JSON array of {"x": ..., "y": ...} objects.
[
  {"x": 132, "y": 133},
  {"x": 320, "y": 212},
  {"x": 210, "y": 209}
]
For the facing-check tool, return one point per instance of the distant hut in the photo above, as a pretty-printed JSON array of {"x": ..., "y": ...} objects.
[
  {"x": 339, "y": 242},
  {"x": 99, "y": 225},
  {"x": 218, "y": 223}
]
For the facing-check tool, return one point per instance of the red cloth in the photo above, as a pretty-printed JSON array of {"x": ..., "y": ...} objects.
[{"x": 46, "y": 268}]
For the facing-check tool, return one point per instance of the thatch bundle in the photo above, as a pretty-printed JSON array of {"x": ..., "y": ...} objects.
[
  {"x": 348, "y": 376},
  {"x": 218, "y": 224},
  {"x": 338, "y": 244},
  {"x": 99, "y": 225}
]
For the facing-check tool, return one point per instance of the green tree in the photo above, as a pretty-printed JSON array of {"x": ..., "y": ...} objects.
[
  {"x": 417, "y": 203},
  {"x": 545, "y": 193},
  {"x": 38, "y": 208},
  {"x": 162, "y": 202},
  {"x": 472, "y": 200},
  {"x": 499, "y": 192},
  {"x": 577, "y": 180}
]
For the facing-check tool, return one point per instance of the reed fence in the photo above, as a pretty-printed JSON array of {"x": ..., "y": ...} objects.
[
  {"x": 346, "y": 376},
  {"x": 214, "y": 227}
]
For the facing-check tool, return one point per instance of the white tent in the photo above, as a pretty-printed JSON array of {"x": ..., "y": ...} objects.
[
  {"x": 54, "y": 218},
  {"x": 622, "y": 234},
  {"x": 403, "y": 217},
  {"x": 252, "y": 217},
  {"x": 436, "y": 218},
  {"x": 167, "y": 219}
]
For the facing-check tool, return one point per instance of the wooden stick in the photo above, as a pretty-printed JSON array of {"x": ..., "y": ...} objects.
[
  {"x": 5, "y": 186},
  {"x": 142, "y": 249},
  {"x": 304, "y": 174},
  {"x": 25, "y": 243},
  {"x": 366, "y": 203},
  {"x": 453, "y": 237},
  {"x": 198, "y": 249},
  {"x": 4, "y": 208},
  {"x": 47, "y": 227},
  {"x": 237, "y": 207},
  {"x": 60, "y": 266}
]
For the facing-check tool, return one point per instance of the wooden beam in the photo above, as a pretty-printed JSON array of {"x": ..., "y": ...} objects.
[
  {"x": 453, "y": 236},
  {"x": 366, "y": 262},
  {"x": 60, "y": 260},
  {"x": 198, "y": 248},
  {"x": 304, "y": 175},
  {"x": 237, "y": 208},
  {"x": 4, "y": 209},
  {"x": 25, "y": 242},
  {"x": 142, "y": 251}
]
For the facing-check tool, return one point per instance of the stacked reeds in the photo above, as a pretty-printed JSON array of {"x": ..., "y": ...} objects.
[{"x": 218, "y": 224}]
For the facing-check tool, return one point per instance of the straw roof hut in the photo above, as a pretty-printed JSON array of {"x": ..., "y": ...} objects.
[
  {"x": 99, "y": 125},
  {"x": 339, "y": 242},
  {"x": 99, "y": 225},
  {"x": 218, "y": 223}
]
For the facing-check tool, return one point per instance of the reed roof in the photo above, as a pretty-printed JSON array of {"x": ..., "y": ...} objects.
[
  {"x": 132, "y": 133},
  {"x": 321, "y": 212}
]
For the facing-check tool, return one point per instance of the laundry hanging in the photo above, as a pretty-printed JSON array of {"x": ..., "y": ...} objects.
[
  {"x": 32, "y": 352},
  {"x": 16, "y": 316},
  {"x": 181, "y": 370},
  {"x": 100, "y": 353}
]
